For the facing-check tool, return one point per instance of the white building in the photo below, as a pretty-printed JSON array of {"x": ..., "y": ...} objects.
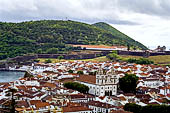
[
  {"x": 99, "y": 107},
  {"x": 153, "y": 82},
  {"x": 104, "y": 83},
  {"x": 165, "y": 90}
]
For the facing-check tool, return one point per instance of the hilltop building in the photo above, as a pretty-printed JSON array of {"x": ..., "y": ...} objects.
[{"x": 160, "y": 49}]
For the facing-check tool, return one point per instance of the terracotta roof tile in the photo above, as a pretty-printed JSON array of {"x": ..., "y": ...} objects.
[
  {"x": 42, "y": 104},
  {"x": 87, "y": 78},
  {"x": 33, "y": 102},
  {"x": 75, "y": 107}
]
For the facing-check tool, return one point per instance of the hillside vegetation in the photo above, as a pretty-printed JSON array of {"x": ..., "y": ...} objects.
[
  {"x": 40, "y": 36},
  {"x": 118, "y": 34}
]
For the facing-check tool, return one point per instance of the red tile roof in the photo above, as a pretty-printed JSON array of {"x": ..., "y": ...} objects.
[
  {"x": 87, "y": 78},
  {"x": 99, "y": 46},
  {"x": 100, "y": 104},
  {"x": 75, "y": 108},
  {"x": 42, "y": 104}
]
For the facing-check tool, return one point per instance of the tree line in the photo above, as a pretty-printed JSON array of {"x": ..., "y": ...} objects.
[
  {"x": 140, "y": 61},
  {"x": 77, "y": 86},
  {"x": 115, "y": 57},
  {"x": 132, "y": 107}
]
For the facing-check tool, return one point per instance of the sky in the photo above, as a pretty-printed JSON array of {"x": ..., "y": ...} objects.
[{"x": 147, "y": 21}]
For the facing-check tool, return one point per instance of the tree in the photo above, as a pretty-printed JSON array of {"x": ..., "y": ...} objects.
[
  {"x": 70, "y": 71},
  {"x": 36, "y": 60},
  {"x": 132, "y": 107},
  {"x": 140, "y": 61},
  {"x": 60, "y": 57},
  {"x": 128, "y": 83},
  {"x": 39, "y": 51},
  {"x": 128, "y": 47},
  {"x": 52, "y": 51},
  {"x": 155, "y": 109},
  {"x": 144, "y": 61},
  {"x": 77, "y": 86},
  {"x": 131, "y": 60},
  {"x": 113, "y": 56},
  {"x": 80, "y": 72},
  {"x": 2, "y": 56},
  {"x": 146, "y": 109},
  {"x": 48, "y": 61}
]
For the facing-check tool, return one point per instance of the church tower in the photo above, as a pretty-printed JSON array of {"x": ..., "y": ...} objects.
[{"x": 107, "y": 80}]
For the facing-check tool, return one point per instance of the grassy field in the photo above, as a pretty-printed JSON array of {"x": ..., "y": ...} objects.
[{"x": 162, "y": 59}]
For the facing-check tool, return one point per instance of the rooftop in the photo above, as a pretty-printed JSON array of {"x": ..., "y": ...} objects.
[{"x": 87, "y": 78}]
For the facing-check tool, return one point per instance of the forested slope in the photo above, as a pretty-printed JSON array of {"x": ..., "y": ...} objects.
[{"x": 40, "y": 36}]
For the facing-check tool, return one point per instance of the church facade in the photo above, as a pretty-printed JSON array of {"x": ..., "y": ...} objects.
[{"x": 104, "y": 83}]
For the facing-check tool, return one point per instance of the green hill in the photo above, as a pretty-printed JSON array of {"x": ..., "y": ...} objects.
[
  {"x": 119, "y": 34},
  {"x": 39, "y": 36}
]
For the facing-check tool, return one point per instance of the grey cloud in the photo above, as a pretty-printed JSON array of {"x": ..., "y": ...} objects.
[
  {"x": 151, "y": 7},
  {"x": 88, "y": 10},
  {"x": 85, "y": 10}
]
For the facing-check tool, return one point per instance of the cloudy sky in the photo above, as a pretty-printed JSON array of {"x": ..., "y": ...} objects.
[{"x": 147, "y": 21}]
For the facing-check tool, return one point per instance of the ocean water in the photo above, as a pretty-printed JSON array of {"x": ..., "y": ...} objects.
[{"x": 9, "y": 76}]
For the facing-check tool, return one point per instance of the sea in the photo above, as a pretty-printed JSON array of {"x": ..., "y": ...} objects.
[{"x": 9, "y": 76}]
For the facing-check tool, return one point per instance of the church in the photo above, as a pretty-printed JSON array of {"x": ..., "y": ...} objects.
[{"x": 104, "y": 83}]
